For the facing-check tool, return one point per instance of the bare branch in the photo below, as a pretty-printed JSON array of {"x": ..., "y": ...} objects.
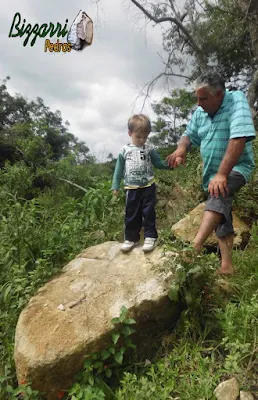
[
  {"x": 199, "y": 53},
  {"x": 183, "y": 16},
  {"x": 147, "y": 88},
  {"x": 174, "y": 10}
]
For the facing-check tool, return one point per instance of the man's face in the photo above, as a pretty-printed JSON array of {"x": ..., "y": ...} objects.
[{"x": 209, "y": 102}]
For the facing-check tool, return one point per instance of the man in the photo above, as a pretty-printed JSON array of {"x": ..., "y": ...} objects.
[{"x": 223, "y": 128}]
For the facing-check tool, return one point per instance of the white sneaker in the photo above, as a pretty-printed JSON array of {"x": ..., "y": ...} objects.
[
  {"x": 127, "y": 246},
  {"x": 149, "y": 244}
]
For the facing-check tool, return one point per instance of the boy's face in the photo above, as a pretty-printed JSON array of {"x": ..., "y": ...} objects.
[{"x": 138, "y": 138}]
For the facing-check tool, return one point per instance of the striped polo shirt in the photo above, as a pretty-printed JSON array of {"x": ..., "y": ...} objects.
[{"x": 232, "y": 120}]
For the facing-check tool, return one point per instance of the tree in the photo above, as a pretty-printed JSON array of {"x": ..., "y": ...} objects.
[
  {"x": 173, "y": 113},
  {"x": 250, "y": 10},
  {"x": 203, "y": 34},
  {"x": 180, "y": 42},
  {"x": 31, "y": 131},
  {"x": 224, "y": 35},
  {"x": 110, "y": 157}
]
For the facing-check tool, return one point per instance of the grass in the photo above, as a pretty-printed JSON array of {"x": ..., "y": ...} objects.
[
  {"x": 216, "y": 335},
  {"x": 215, "y": 338}
]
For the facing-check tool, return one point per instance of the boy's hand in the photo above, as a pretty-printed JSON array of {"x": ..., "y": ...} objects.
[
  {"x": 179, "y": 160},
  {"x": 178, "y": 154},
  {"x": 115, "y": 192}
]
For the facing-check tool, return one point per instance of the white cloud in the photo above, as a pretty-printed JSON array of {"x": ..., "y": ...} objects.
[{"x": 95, "y": 90}]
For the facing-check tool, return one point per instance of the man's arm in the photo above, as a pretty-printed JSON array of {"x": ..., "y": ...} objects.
[
  {"x": 183, "y": 146},
  {"x": 189, "y": 138},
  {"x": 219, "y": 183},
  {"x": 242, "y": 129},
  {"x": 234, "y": 151}
]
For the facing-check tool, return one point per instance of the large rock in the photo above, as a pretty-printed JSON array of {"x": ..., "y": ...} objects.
[
  {"x": 187, "y": 228},
  {"x": 246, "y": 395},
  {"x": 227, "y": 390},
  {"x": 70, "y": 316},
  {"x": 177, "y": 204}
]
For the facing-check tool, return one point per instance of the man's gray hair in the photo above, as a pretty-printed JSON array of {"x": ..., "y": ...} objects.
[{"x": 212, "y": 80}]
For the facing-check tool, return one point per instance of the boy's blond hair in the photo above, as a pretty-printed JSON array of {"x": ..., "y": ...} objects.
[{"x": 139, "y": 122}]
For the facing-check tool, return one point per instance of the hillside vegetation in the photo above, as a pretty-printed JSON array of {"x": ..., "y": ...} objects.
[{"x": 55, "y": 204}]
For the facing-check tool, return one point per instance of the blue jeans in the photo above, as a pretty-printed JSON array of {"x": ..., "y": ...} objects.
[{"x": 140, "y": 212}]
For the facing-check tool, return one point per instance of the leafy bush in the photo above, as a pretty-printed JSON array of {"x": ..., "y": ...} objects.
[{"x": 42, "y": 231}]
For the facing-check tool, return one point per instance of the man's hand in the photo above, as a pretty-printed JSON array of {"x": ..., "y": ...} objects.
[
  {"x": 218, "y": 185},
  {"x": 115, "y": 192},
  {"x": 176, "y": 158}
]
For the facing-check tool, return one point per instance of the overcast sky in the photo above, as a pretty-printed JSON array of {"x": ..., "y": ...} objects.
[{"x": 96, "y": 89}]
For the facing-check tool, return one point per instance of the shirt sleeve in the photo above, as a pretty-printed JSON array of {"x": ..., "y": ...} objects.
[
  {"x": 192, "y": 130},
  {"x": 240, "y": 119},
  {"x": 119, "y": 172},
  {"x": 157, "y": 161}
]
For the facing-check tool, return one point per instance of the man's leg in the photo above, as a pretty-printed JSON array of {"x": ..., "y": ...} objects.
[
  {"x": 210, "y": 221},
  {"x": 225, "y": 245},
  {"x": 220, "y": 221}
]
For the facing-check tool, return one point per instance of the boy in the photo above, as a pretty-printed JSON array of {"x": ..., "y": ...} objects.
[{"x": 134, "y": 163}]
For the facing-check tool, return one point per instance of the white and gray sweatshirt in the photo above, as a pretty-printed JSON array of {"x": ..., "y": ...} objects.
[{"x": 135, "y": 165}]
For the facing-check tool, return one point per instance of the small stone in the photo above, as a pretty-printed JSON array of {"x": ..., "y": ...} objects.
[
  {"x": 246, "y": 396},
  {"x": 228, "y": 390},
  {"x": 61, "y": 307}
]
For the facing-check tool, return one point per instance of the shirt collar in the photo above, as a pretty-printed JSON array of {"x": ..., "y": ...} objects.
[{"x": 225, "y": 98}]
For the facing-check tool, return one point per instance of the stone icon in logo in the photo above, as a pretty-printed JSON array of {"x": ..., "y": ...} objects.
[{"x": 80, "y": 34}]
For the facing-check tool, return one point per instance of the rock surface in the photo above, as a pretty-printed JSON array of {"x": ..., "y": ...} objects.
[
  {"x": 187, "y": 228},
  {"x": 70, "y": 316},
  {"x": 228, "y": 390},
  {"x": 246, "y": 395}
]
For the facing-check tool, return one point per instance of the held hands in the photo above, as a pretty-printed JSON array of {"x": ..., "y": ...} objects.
[
  {"x": 179, "y": 160},
  {"x": 218, "y": 185},
  {"x": 176, "y": 158}
]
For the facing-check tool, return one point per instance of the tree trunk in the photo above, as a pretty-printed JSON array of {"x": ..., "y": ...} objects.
[{"x": 250, "y": 9}]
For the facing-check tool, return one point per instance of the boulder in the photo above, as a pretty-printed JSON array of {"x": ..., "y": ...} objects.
[
  {"x": 70, "y": 317},
  {"x": 177, "y": 204},
  {"x": 246, "y": 395},
  {"x": 227, "y": 390},
  {"x": 187, "y": 228}
]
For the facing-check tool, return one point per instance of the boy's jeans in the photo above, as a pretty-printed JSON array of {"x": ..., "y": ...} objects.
[{"x": 140, "y": 211}]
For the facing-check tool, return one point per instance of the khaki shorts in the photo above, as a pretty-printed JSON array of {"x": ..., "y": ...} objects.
[{"x": 223, "y": 205}]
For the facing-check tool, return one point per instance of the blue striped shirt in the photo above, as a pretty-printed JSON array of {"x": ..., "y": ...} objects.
[{"x": 232, "y": 120}]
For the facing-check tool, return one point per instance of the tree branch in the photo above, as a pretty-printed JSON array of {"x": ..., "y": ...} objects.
[
  {"x": 199, "y": 53},
  {"x": 151, "y": 83}
]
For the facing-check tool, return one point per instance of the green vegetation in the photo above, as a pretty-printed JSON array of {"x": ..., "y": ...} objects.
[{"x": 54, "y": 206}]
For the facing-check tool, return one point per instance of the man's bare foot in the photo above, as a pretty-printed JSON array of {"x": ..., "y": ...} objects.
[
  {"x": 227, "y": 270},
  {"x": 197, "y": 247}
]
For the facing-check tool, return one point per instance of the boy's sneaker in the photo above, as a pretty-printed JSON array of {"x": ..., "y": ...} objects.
[
  {"x": 149, "y": 244},
  {"x": 127, "y": 246}
]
